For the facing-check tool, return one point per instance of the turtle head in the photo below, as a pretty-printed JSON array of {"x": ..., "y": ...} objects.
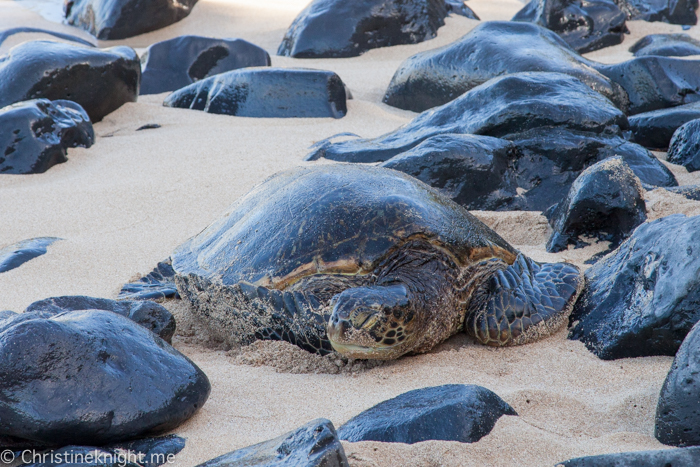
[{"x": 372, "y": 322}]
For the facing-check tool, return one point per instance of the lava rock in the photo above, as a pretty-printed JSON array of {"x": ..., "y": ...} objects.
[
  {"x": 266, "y": 93},
  {"x": 179, "y": 62},
  {"x": 655, "y": 129},
  {"x": 150, "y": 315},
  {"x": 584, "y": 25},
  {"x": 668, "y": 11},
  {"x": 687, "y": 457},
  {"x": 490, "y": 50},
  {"x": 653, "y": 83},
  {"x": 315, "y": 444},
  {"x": 605, "y": 198},
  {"x": 36, "y": 134},
  {"x": 120, "y": 19},
  {"x": 505, "y": 105},
  {"x": 156, "y": 285},
  {"x": 90, "y": 378},
  {"x": 453, "y": 412},
  {"x": 25, "y": 30},
  {"x": 643, "y": 299},
  {"x": 15, "y": 255},
  {"x": 99, "y": 80},
  {"x": 338, "y": 28},
  {"x": 666, "y": 45},
  {"x": 678, "y": 410},
  {"x": 684, "y": 148},
  {"x": 152, "y": 452},
  {"x": 472, "y": 170},
  {"x": 689, "y": 191}
]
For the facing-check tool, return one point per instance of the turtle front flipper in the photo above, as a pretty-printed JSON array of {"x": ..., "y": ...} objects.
[{"x": 523, "y": 303}]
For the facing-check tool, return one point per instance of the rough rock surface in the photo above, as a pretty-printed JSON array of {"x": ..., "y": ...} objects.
[
  {"x": 653, "y": 83},
  {"x": 120, "y": 19},
  {"x": 687, "y": 457},
  {"x": 179, "y": 62},
  {"x": 315, "y": 444},
  {"x": 684, "y": 148},
  {"x": 100, "y": 80},
  {"x": 339, "y": 28},
  {"x": 644, "y": 298},
  {"x": 689, "y": 191},
  {"x": 34, "y": 135},
  {"x": 668, "y": 11},
  {"x": 491, "y": 49},
  {"x": 453, "y": 412},
  {"x": 507, "y": 105},
  {"x": 157, "y": 284},
  {"x": 92, "y": 377},
  {"x": 678, "y": 410},
  {"x": 266, "y": 93},
  {"x": 15, "y": 255},
  {"x": 655, "y": 129},
  {"x": 584, "y": 25},
  {"x": 150, "y": 315},
  {"x": 666, "y": 45},
  {"x": 606, "y": 201}
]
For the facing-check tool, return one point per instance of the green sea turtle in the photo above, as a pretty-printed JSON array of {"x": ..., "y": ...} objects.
[{"x": 367, "y": 261}]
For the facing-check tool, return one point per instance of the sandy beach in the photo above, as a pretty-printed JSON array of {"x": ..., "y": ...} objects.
[{"x": 123, "y": 205}]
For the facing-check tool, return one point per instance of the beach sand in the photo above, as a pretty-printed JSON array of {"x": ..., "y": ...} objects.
[{"x": 127, "y": 202}]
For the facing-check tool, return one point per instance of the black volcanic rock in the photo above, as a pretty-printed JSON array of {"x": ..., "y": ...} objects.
[
  {"x": 684, "y": 148},
  {"x": 666, "y": 45},
  {"x": 179, "y": 62},
  {"x": 266, "y": 93},
  {"x": 120, "y": 19},
  {"x": 91, "y": 377},
  {"x": 341, "y": 28},
  {"x": 34, "y": 135},
  {"x": 668, "y": 11},
  {"x": 150, "y": 315},
  {"x": 643, "y": 299},
  {"x": 453, "y": 412},
  {"x": 688, "y": 457},
  {"x": 156, "y": 285},
  {"x": 655, "y": 129},
  {"x": 152, "y": 452},
  {"x": 605, "y": 200},
  {"x": 584, "y": 25},
  {"x": 315, "y": 444},
  {"x": 15, "y": 255},
  {"x": 653, "y": 83},
  {"x": 691, "y": 192},
  {"x": 26, "y": 30},
  {"x": 678, "y": 410},
  {"x": 98, "y": 80},
  {"x": 506, "y": 105},
  {"x": 490, "y": 50}
]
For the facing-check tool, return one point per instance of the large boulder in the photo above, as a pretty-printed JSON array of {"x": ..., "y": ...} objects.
[
  {"x": 684, "y": 148},
  {"x": 34, "y": 135},
  {"x": 315, "y": 444},
  {"x": 678, "y": 410},
  {"x": 148, "y": 314},
  {"x": 666, "y": 45},
  {"x": 606, "y": 201},
  {"x": 15, "y": 255},
  {"x": 453, "y": 412},
  {"x": 653, "y": 83},
  {"x": 179, "y": 62},
  {"x": 668, "y": 11},
  {"x": 341, "y": 28},
  {"x": 506, "y": 105},
  {"x": 656, "y": 128},
  {"x": 99, "y": 80},
  {"x": 584, "y": 25},
  {"x": 120, "y": 19},
  {"x": 90, "y": 378},
  {"x": 688, "y": 457},
  {"x": 644, "y": 298},
  {"x": 490, "y": 50},
  {"x": 266, "y": 93}
]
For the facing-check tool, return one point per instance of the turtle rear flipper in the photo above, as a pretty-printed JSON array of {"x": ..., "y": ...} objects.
[{"x": 522, "y": 303}]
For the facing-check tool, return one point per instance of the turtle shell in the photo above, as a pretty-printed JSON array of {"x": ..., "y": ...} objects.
[{"x": 331, "y": 219}]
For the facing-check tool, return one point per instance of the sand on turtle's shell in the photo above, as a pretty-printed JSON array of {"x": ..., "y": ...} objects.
[{"x": 127, "y": 202}]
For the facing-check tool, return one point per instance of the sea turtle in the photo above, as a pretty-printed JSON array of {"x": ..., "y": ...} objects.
[{"x": 366, "y": 261}]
